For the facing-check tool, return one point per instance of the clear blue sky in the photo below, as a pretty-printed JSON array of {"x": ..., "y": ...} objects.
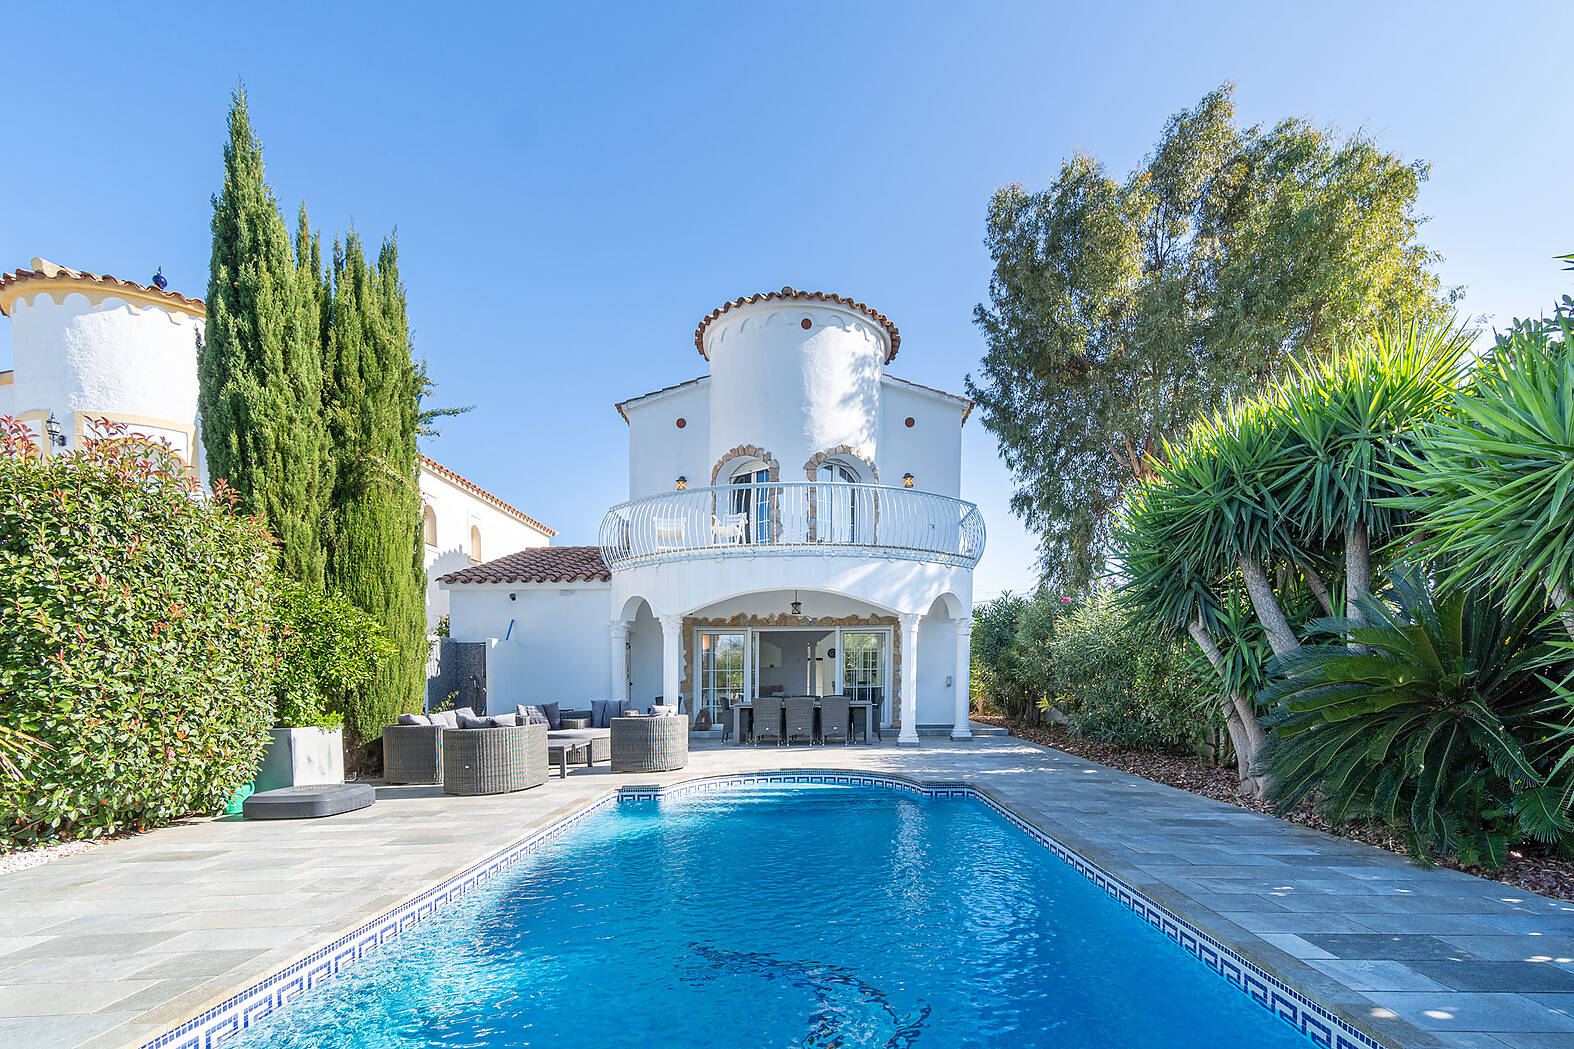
[{"x": 575, "y": 186}]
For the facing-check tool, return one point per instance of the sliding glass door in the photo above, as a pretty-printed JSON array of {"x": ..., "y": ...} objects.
[
  {"x": 723, "y": 671},
  {"x": 866, "y": 668}
]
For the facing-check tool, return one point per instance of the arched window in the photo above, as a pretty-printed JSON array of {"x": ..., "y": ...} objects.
[
  {"x": 838, "y": 507},
  {"x": 475, "y": 543},
  {"x": 429, "y": 525}
]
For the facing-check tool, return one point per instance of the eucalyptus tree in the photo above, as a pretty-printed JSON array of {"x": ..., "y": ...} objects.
[
  {"x": 1495, "y": 477},
  {"x": 1122, "y": 309}
]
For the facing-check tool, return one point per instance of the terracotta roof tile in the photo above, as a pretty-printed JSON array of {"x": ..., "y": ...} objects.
[
  {"x": 541, "y": 564},
  {"x": 794, "y": 295},
  {"x": 46, "y": 270},
  {"x": 474, "y": 489},
  {"x": 621, "y": 406}
]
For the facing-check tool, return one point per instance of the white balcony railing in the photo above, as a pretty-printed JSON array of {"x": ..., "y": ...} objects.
[{"x": 793, "y": 518}]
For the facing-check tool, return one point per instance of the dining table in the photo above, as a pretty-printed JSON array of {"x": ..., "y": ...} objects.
[{"x": 866, "y": 707}]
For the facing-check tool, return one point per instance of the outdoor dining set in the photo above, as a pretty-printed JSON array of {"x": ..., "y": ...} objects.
[{"x": 785, "y": 720}]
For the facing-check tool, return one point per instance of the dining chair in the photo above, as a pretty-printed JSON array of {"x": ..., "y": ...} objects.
[
  {"x": 767, "y": 719},
  {"x": 835, "y": 713},
  {"x": 800, "y": 718}
]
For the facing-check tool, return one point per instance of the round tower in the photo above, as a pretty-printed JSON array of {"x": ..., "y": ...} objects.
[
  {"x": 795, "y": 375},
  {"x": 87, "y": 347}
]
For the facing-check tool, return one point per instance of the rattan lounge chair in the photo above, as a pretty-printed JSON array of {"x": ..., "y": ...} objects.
[
  {"x": 767, "y": 720},
  {"x": 650, "y": 744},
  {"x": 835, "y": 714},
  {"x": 800, "y": 719},
  {"x": 413, "y": 753},
  {"x": 494, "y": 760}
]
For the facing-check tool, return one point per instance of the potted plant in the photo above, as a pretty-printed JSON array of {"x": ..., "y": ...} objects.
[{"x": 323, "y": 647}]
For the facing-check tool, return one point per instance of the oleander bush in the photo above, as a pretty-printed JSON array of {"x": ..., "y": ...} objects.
[
  {"x": 135, "y": 648},
  {"x": 1118, "y": 681}
]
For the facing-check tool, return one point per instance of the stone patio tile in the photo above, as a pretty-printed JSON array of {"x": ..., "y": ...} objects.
[
  {"x": 1376, "y": 975},
  {"x": 1439, "y": 925},
  {"x": 1375, "y": 946},
  {"x": 1519, "y": 924},
  {"x": 82, "y": 944},
  {"x": 66, "y": 999},
  {"x": 68, "y": 967},
  {"x": 172, "y": 966},
  {"x": 1294, "y": 946},
  {"x": 62, "y": 1032},
  {"x": 1465, "y": 1011},
  {"x": 1481, "y": 975},
  {"x": 1290, "y": 921},
  {"x": 223, "y": 939},
  {"x": 1507, "y": 948}
]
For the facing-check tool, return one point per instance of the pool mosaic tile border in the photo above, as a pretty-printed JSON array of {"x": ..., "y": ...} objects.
[{"x": 248, "y": 1007}]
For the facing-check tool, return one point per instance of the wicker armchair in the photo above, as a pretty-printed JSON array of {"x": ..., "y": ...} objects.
[
  {"x": 413, "y": 753},
  {"x": 649, "y": 744},
  {"x": 494, "y": 760},
  {"x": 800, "y": 718},
  {"x": 835, "y": 717}
]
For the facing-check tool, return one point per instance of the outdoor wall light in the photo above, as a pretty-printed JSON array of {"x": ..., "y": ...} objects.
[
  {"x": 681, "y": 483},
  {"x": 907, "y": 480},
  {"x": 52, "y": 429},
  {"x": 797, "y": 605}
]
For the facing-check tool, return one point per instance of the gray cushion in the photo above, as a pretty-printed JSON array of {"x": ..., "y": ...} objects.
[
  {"x": 598, "y": 713},
  {"x": 505, "y": 720},
  {"x": 445, "y": 718},
  {"x": 657, "y": 710},
  {"x": 553, "y": 715},
  {"x": 466, "y": 721},
  {"x": 532, "y": 716},
  {"x": 414, "y": 719},
  {"x": 579, "y": 733}
]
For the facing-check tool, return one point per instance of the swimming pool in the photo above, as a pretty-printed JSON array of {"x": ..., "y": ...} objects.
[{"x": 814, "y": 916}]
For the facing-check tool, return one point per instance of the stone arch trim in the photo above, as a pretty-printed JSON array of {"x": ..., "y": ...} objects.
[
  {"x": 747, "y": 451},
  {"x": 818, "y": 459}
]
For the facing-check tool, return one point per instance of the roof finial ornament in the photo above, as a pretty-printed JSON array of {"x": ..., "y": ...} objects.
[{"x": 158, "y": 279}]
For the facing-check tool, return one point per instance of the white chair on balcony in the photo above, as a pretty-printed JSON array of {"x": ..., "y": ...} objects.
[
  {"x": 733, "y": 528},
  {"x": 670, "y": 532}
]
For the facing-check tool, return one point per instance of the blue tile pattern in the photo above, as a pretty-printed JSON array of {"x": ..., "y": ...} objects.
[{"x": 251, "y": 1005}]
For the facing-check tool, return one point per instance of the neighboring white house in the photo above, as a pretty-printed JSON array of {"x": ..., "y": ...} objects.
[
  {"x": 794, "y": 526},
  {"x": 87, "y": 347}
]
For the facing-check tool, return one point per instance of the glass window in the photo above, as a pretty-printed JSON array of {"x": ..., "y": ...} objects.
[
  {"x": 837, "y": 505},
  {"x": 863, "y": 667},
  {"x": 721, "y": 672},
  {"x": 429, "y": 525},
  {"x": 751, "y": 495},
  {"x": 475, "y": 544}
]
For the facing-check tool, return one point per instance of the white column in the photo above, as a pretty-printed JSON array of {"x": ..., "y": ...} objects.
[
  {"x": 618, "y": 649},
  {"x": 671, "y": 659},
  {"x": 909, "y": 734},
  {"x": 964, "y": 663}
]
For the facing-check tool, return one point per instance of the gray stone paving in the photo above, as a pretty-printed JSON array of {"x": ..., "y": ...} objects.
[{"x": 113, "y": 946}]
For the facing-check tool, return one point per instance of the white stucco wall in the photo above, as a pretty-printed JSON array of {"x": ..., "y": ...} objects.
[
  {"x": 930, "y": 449},
  {"x": 936, "y": 662},
  {"x": 795, "y": 391},
  {"x": 557, "y": 650},
  {"x": 457, "y": 511},
  {"x": 660, "y": 451},
  {"x": 129, "y": 361}
]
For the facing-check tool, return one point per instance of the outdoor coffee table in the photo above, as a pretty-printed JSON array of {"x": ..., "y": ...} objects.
[{"x": 569, "y": 749}]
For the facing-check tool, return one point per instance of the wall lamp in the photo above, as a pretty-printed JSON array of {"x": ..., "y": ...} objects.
[
  {"x": 907, "y": 480},
  {"x": 52, "y": 430},
  {"x": 681, "y": 483}
]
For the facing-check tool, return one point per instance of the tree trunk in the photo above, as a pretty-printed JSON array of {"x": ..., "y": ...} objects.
[
  {"x": 1240, "y": 718},
  {"x": 1357, "y": 570},
  {"x": 1319, "y": 588},
  {"x": 1565, "y": 608},
  {"x": 1280, "y": 635}
]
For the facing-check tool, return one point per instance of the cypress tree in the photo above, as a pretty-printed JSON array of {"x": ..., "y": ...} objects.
[
  {"x": 371, "y": 390},
  {"x": 259, "y": 366}
]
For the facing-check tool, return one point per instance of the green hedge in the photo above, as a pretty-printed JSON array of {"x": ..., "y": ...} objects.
[
  {"x": 134, "y": 640},
  {"x": 1118, "y": 683}
]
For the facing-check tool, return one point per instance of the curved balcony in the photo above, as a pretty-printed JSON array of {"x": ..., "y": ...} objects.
[{"x": 794, "y": 518}]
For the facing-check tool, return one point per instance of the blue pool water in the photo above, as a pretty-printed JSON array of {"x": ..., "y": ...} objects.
[{"x": 824, "y": 917}]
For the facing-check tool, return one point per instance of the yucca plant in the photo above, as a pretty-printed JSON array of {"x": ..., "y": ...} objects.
[
  {"x": 1495, "y": 478},
  {"x": 1352, "y": 415},
  {"x": 1432, "y": 727}
]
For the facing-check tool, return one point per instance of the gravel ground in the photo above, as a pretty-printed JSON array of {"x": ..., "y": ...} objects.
[
  {"x": 11, "y": 862},
  {"x": 1527, "y": 867}
]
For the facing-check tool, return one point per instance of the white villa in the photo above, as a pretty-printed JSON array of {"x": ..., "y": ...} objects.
[
  {"x": 794, "y": 526},
  {"x": 87, "y": 347}
]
